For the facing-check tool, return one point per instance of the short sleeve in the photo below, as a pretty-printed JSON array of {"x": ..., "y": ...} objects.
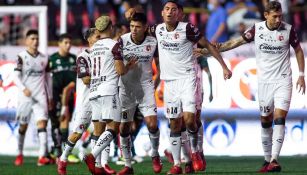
[
  {"x": 19, "y": 64},
  {"x": 249, "y": 34},
  {"x": 117, "y": 50},
  {"x": 193, "y": 33},
  {"x": 82, "y": 67},
  {"x": 293, "y": 39}
]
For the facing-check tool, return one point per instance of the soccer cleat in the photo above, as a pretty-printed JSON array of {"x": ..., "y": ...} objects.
[
  {"x": 108, "y": 169},
  {"x": 19, "y": 160},
  {"x": 62, "y": 167},
  {"x": 90, "y": 162},
  {"x": 156, "y": 164},
  {"x": 197, "y": 162},
  {"x": 126, "y": 171},
  {"x": 169, "y": 156},
  {"x": 264, "y": 168},
  {"x": 204, "y": 161},
  {"x": 175, "y": 170},
  {"x": 73, "y": 159},
  {"x": 43, "y": 161},
  {"x": 188, "y": 168},
  {"x": 274, "y": 166}
]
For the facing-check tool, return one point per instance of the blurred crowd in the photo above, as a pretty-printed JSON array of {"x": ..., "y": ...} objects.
[{"x": 218, "y": 19}]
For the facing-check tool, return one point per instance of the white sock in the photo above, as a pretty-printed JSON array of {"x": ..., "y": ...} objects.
[
  {"x": 278, "y": 140},
  {"x": 266, "y": 138},
  {"x": 98, "y": 158},
  {"x": 175, "y": 145},
  {"x": 105, "y": 156},
  {"x": 193, "y": 140},
  {"x": 154, "y": 140},
  {"x": 104, "y": 140},
  {"x": 125, "y": 144},
  {"x": 67, "y": 150},
  {"x": 21, "y": 141},
  {"x": 185, "y": 146},
  {"x": 42, "y": 137},
  {"x": 200, "y": 139}
]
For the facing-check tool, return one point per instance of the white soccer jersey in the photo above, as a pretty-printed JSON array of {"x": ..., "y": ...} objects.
[
  {"x": 33, "y": 73},
  {"x": 272, "y": 50},
  {"x": 144, "y": 53},
  {"x": 176, "y": 50},
  {"x": 83, "y": 70},
  {"x": 104, "y": 78}
]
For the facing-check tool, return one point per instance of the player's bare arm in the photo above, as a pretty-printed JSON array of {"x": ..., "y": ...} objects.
[
  {"x": 214, "y": 52},
  {"x": 86, "y": 80},
  {"x": 300, "y": 84},
  {"x": 231, "y": 44},
  {"x": 122, "y": 69},
  {"x": 67, "y": 92},
  {"x": 157, "y": 80}
]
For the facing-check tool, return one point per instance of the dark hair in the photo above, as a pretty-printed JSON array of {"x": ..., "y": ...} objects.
[
  {"x": 140, "y": 17},
  {"x": 272, "y": 6},
  {"x": 32, "y": 32},
  {"x": 172, "y": 1},
  {"x": 64, "y": 36},
  {"x": 88, "y": 33}
]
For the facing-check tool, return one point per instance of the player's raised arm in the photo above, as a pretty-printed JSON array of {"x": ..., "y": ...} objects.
[
  {"x": 214, "y": 52},
  {"x": 120, "y": 67}
]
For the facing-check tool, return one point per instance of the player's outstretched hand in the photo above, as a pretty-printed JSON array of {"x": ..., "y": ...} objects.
[
  {"x": 227, "y": 73},
  {"x": 197, "y": 52},
  {"x": 300, "y": 85},
  {"x": 27, "y": 92},
  {"x": 129, "y": 13},
  {"x": 132, "y": 63},
  {"x": 217, "y": 45}
]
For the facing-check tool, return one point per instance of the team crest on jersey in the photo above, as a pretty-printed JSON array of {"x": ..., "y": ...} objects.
[
  {"x": 248, "y": 35},
  {"x": 58, "y": 61},
  {"x": 261, "y": 28},
  {"x": 176, "y": 36},
  {"x": 280, "y": 38}
]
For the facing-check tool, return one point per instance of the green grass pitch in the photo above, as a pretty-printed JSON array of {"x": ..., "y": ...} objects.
[{"x": 294, "y": 165}]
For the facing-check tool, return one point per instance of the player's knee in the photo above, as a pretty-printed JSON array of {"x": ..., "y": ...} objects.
[
  {"x": 280, "y": 121},
  {"x": 152, "y": 127},
  {"x": 22, "y": 129},
  {"x": 125, "y": 128},
  {"x": 74, "y": 137}
]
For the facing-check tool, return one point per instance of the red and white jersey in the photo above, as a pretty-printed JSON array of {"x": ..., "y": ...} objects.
[
  {"x": 272, "y": 50},
  {"x": 83, "y": 70},
  {"x": 104, "y": 78},
  {"x": 144, "y": 53},
  {"x": 33, "y": 72},
  {"x": 176, "y": 49}
]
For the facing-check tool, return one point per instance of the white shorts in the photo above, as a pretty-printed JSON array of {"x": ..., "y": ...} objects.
[
  {"x": 143, "y": 98},
  {"x": 274, "y": 95},
  {"x": 179, "y": 96},
  {"x": 106, "y": 108},
  {"x": 83, "y": 118},
  {"x": 28, "y": 106}
]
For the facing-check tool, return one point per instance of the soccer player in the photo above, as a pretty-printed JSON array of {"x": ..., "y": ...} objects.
[
  {"x": 175, "y": 44},
  {"x": 83, "y": 113},
  {"x": 63, "y": 68},
  {"x": 137, "y": 89},
  {"x": 107, "y": 66},
  {"x": 273, "y": 39},
  {"x": 32, "y": 76}
]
